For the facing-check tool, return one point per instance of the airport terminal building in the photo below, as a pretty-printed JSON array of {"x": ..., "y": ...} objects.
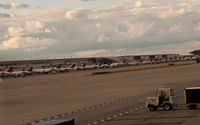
[{"x": 89, "y": 61}]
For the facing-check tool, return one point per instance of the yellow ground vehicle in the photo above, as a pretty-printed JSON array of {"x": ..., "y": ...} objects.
[{"x": 163, "y": 99}]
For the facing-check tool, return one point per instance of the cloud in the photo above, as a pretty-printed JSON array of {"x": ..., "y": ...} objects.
[
  {"x": 98, "y": 25},
  {"x": 4, "y": 15},
  {"x": 14, "y": 5},
  {"x": 139, "y": 4},
  {"x": 87, "y": 0},
  {"x": 197, "y": 27},
  {"x": 27, "y": 43},
  {"x": 175, "y": 28},
  {"x": 30, "y": 27},
  {"x": 103, "y": 38},
  {"x": 77, "y": 14},
  {"x": 136, "y": 27},
  {"x": 71, "y": 14},
  {"x": 90, "y": 53},
  {"x": 170, "y": 49},
  {"x": 172, "y": 13}
]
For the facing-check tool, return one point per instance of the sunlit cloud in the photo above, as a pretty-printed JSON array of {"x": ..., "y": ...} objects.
[
  {"x": 13, "y": 5},
  {"x": 134, "y": 27}
]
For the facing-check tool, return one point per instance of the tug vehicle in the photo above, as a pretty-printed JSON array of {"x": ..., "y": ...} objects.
[{"x": 163, "y": 99}]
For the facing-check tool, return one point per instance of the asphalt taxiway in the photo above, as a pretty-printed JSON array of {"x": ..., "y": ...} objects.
[{"x": 116, "y": 98}]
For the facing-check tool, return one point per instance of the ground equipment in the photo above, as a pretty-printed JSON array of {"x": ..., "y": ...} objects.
[
  {"x": 163, "y": 99},
  {"x": 192, "y": 97}
]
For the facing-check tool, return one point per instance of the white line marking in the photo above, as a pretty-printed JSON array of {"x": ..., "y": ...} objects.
[
  {"x": 102, "y": 120},
  {"x": 115, "y": 116},
  {"x": 55, "y": 117},
  {"x": 49, "y": 118},
  {"x": 41, "y": 121},
  {"x": 95, "y": 123},
  {"x": 108, "y": 118}
]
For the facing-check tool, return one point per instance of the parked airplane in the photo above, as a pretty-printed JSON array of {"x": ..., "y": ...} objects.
[
  {"x": 90, "y": 67},
  {"x": 44, "y": 70},
  {"x": 59, "y": 68},
  {"x": 132, "y": 63},
  {"x": 115, "y": 65},
  {"x": 29, "y": 71},
  {"x": 72, "y": 67},
  {"x": 11, "y": 72},
  {"x": 4, "y": 73},
  {"x": 82, "y": 67},
  {"x": 106, "y": 65},
  {"x": 145, "y": 62},
  {"x": 100, "y": 66}
]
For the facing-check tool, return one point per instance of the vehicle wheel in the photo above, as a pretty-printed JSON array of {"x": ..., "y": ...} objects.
[
  {"x": 15, "y": 76},
  {"x": 192, "y": 107},
  {"x": 53, "y": 71},
  {"x": 155, "y": 108},
  {"x": 167, "y": 107},
  {"x": 152, "y": 108},
  {"x": 23, "y": 75}
]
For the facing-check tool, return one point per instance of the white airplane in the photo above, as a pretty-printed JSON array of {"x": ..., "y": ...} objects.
[
  {"x": 82, "y": 67},
  {"x": 114, "y": 65},
  {"x": 132, "y": 63},
  {"x": 106, "y": 65},
  {"x": 158, "y": 60},
  {"x": 100, "y": 66},
  {"x": 168, "y": 59},
  {"x": 29, "y": 71},
  {"x": 144, "y": 62},
  {"x": 152, "y": 61},
  {"x": 90, "y": 67},
  {"x": 5, "y": 73},
  {"x": 163, "y": 60},
  {"x": 59, "y": 68},
  {"x": 44, "y": 70},
  {"x": 11, "y": 72},
  {"x": 72, "y": 67}
]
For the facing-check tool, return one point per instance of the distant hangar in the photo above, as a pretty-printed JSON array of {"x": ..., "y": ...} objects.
[
  {"x": 89, "y": 60},
  {"x": 196, "y": 52}
]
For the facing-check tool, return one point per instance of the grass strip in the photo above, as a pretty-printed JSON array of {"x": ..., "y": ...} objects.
[{"x": 138, "y": 69}]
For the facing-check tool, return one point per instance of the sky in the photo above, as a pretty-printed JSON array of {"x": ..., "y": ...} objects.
[{"x": 38, "y": 29}]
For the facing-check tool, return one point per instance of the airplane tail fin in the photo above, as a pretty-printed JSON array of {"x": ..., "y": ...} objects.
[
  {"x": 58, "y": 66},
  {"x": 10, "y": 69},
  {"x": 30, "y": 69},
  {"x": 83, "y": 65},
  {"x": 72, "y": 66},
  {"x": 99, "y": 64}
]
